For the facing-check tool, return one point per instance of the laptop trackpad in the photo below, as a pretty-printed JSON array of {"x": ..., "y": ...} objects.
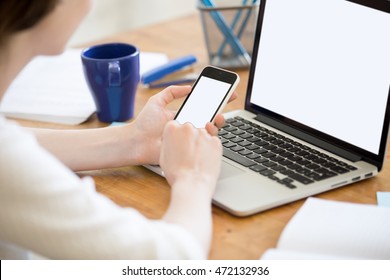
[{"x": 228, "y": 170}]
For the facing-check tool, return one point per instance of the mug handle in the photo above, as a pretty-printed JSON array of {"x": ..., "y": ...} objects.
[{"x": 114, "y": 73}]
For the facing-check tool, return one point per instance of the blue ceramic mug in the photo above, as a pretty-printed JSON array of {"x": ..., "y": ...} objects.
[{"x": 112, "y": 74}]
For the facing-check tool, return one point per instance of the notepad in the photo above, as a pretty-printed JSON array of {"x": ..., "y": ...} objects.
[
  {"x": 50, "y": 89},
  {"x": 53, "y": 89},
  {"x": 383, "y": 198},
  {"x": 324, "y": 229}
]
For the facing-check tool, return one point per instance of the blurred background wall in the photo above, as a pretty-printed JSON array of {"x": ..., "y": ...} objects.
[{"x": 113, "y": 16}]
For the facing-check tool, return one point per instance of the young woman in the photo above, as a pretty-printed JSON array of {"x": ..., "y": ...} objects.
[{"x": 47, "y": 209}]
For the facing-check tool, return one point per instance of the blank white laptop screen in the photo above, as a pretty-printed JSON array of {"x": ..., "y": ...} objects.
[{"x": 341, "y": 90}]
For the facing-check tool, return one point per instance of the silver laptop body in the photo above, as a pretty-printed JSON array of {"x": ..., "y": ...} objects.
[{"x": 319, "y": 81}]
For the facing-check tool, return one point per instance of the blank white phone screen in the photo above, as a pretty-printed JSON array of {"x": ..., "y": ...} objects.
[{"x": 204, "y": 101}]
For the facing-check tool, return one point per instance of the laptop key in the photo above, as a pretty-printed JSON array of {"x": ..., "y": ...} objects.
[
  {"x": 328, "y": 164},
  {"x": 278, "y": 168},
  {"x": 300, "y": 178},
  {"x": 245, "y": 152},
  {"x": 289, "y": 185},
  {"x": 245, "y": 127},
  {"x": 287, "y": 172},
  {"x": 285, "y": 162},
  {"x": 258, "y": 168},
  {"x": 238, "y": 158},
  {"x": 261, "y": 160},
  {"x": 339, "y": 169},
  {"x": 237, "y": 123},
  {"x": 253, "y": 156},
  {"x": 229, "y": 145},
  {"x": 244, "y": 143},
  {"x": 238, "y": 132},
  {"x": 303, "y": 164},
  {"x": 237, "y": 148},
  {"x": 286, "y": 154},
  {"x": 268, "y": 155},
  {"x": 222, "y": 132},
  {"x": 267, "y": 172},
  {"x": 323, "y": 176},
  {"x": 350, "y": 167},
  {"x": 269, "y": 147},
  {"x": 246, "y": 136},
  {"x": 253, "y": 139},
  {"x": 261, "y": 143},
  {"x": 224, "y": 141},
  {"x": 269, "y": 164},
  {"x": 288, "y": 180},
  {"x": 229, "y": 136},
  {"x": 278, "y": 151},
  {"x": 252, "y": 147},
  {"x": 236, "y": 139},
  {"x": 260, "y": 151},
  {"x": 230, "y": 128},
  {"x": 230, "y": 120},
  {"x": 285, "y": 145}
]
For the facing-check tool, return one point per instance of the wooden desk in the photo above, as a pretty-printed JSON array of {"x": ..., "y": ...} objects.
[{"x": 233, "y": 238}]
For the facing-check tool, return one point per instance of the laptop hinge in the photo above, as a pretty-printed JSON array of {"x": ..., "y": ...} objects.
[{"x": 309, "y": 138}]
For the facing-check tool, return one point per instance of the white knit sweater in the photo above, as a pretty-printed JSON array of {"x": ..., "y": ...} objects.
[{"x": 47, "y": 209}]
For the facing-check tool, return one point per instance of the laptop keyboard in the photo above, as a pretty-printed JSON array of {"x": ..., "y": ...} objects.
[{"x": 276, "y": 156}]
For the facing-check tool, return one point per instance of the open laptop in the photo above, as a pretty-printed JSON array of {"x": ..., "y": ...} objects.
[{"x": 317, "y": 105}]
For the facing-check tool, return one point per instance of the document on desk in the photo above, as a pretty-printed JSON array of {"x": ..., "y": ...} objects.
[
  {"x": 53, "y": 89},
  {"x": 324, "y": 229},
  {"x": 383, "y": 199}
]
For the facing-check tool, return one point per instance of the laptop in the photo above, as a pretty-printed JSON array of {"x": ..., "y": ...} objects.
[{"x": 317, "y": 105}]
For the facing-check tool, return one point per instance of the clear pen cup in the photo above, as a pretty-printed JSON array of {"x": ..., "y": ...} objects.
[{"x": 229, "y": 28}]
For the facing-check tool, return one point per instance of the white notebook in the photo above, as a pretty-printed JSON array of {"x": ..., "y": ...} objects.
[
  {"x": 53, "y": 89},
  {"x": 324, "y": 229}
]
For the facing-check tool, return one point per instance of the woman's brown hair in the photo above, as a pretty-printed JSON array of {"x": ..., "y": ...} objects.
[{"x": 18, "y": 15}]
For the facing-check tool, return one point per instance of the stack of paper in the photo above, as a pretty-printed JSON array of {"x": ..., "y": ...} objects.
[{"x": 53, "y": 89}]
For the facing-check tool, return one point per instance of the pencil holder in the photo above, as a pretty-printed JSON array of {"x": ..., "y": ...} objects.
[{"x": 229, "y": 28}]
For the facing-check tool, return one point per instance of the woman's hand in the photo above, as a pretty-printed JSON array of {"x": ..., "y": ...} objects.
[
  {"x": 191, "y": 160},
  {"x": 190, "y": 154},
  {"x": 152, "y": 119}
]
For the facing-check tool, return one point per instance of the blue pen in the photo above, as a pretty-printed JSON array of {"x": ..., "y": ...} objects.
[
  {"x": 231, "y": 38},
  {"x": 245, "y": 22},
  {"x": 168, "y": 68},
  {"x": 232, "y": 27},
  {"x": 186, "y": 79},
  {"x": 241, "y": 28}
]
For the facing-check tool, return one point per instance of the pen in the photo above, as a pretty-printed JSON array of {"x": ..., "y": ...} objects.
[
  {"x": 245, "y": 22},
  {"x": 168, "y": 68},
  {"x": 186, "y": 79},
  {"x": 230, "y": 37},
  {"x": 232, "y": 27},
  {"x": 241, "y": 28}
]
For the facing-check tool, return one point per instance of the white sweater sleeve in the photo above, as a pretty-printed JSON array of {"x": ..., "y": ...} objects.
[{"x": 46, "y": 208}]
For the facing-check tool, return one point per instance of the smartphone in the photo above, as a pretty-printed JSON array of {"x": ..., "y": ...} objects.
[{"x": 209, "y": 95}]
